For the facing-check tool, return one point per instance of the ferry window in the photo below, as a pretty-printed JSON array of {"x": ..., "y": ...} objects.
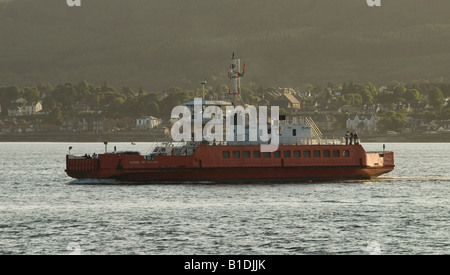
[
  {"x": 256, "y": 154},
  {"x": 246, "y": 154},
  {"x": 326, "y": 153},
  {"x": 277, "y": 154},
  {"x": 226, "y": 154},
  {"x": 296, "y": 154},
  {"x": 346, "y": 153},
  {"x": 287, "y": 154},
  {"x": 336, "y": 153},
  {"x": 294, "y": 132},
  {"x": 236, "y": 154},
  {"x": 266, "y": 155},
  {"x": 307, "y": 154},
  {"x": 316, "y": 153}
]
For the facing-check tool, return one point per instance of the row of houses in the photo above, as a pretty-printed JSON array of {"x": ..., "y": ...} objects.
[
  {"x": 101, "y": 125},
  {"x": 362, "y": 123},
  {"x": 367, "y": 124},
  {"x": 361, "y": 119},
  {"x": 80, "y": 124},
  {"x": 14, "y": 126},
  {"x": 289, "y": 100}
]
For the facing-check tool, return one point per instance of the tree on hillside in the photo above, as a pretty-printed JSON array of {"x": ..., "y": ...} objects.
[
  {"x": 367, "y": 97},
  {"x": 84, "y": 90},
  {"x": 385, "y": 97},
  {"x": 398, "y": 93},
  {"x": 412, "y": 96},
  {"x": 436, "y": 99},
  {"x": 9, "y": 93},
  {"x": 353, "y": 99},
  {"x": 174, "y": 98},
  {"x": 55, "y": 116},
  {"x": 429, "y": 116},
  {"x": 445, "y": 114},
  {"x": 65, "y": 94},
  {"x": 45, "y": 88},
  {"x": 31, "y": 94},
  {"x": 391, "y": 121}
]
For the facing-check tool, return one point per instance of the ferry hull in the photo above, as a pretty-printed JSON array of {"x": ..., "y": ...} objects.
[
  {"x": 275, "y": 174},
  {"x": 207, "y": 164}
]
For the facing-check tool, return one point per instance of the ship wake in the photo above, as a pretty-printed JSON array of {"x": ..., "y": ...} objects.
[{"x": 432, "y": 178}]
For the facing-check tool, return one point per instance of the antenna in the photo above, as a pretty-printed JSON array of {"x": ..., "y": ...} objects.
[
  {"x": 235, "y": 75},
  {"x": 203, "y": 95}
]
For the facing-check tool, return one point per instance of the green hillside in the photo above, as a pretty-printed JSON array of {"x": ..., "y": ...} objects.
[{"x": 157, "y": 44}]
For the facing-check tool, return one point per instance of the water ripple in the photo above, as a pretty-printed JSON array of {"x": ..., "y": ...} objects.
[{"x": 42, "y": 211}]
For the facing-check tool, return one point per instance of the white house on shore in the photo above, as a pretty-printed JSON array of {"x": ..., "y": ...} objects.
[
  {"x": 23, "y": 109},
  {"x": 366, "y": 123},
  {"x": 147, "y": 123}
]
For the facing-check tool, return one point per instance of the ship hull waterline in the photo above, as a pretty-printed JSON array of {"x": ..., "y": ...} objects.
[{"x": 237, "y": 175}]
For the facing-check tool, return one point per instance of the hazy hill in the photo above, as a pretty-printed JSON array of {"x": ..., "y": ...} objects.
[{"x": 162, "y": 43}]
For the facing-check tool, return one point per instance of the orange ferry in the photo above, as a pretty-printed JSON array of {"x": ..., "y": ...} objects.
[
  {"x": 302, "y": 155},
  {"x": 237, "y": 162}
]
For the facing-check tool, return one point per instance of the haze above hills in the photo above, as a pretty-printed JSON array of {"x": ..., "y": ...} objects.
[{"x": 158, "y": 44}]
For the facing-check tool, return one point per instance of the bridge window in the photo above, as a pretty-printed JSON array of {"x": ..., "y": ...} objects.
[
  {"x": 266, "y": 155},
  {"x": 346, "y": 153},
  {"x": 287, "y": 154},
  {"x": 256, "y": 154},
  {"x": 336, "y": 153},
  {"x": 277, "y": 154},
  {"x": 296, "y": 154},
  {"x": 307, "y": 154},
  {"x": 236, "y": 154},
  {"x": 326, "y": 153},
  {"x": 226, "y": 154},
  {"x": 246, "y": 154}
]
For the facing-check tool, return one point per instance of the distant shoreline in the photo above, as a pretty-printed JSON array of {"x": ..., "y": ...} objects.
[
  {"x": 83, "y": 137},
  {"x": 438, "y": 138},
  {"x": 149, "y": 137}
]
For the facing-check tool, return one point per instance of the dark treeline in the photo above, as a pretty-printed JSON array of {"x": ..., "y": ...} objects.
[{"x": 165, "y": 43}]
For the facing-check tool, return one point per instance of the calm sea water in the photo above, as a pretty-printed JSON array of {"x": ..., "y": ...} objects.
[{"x": 42, "y": 211}]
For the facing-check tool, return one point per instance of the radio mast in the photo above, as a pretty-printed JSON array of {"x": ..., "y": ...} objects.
[{"x": 235, "y": 75}]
